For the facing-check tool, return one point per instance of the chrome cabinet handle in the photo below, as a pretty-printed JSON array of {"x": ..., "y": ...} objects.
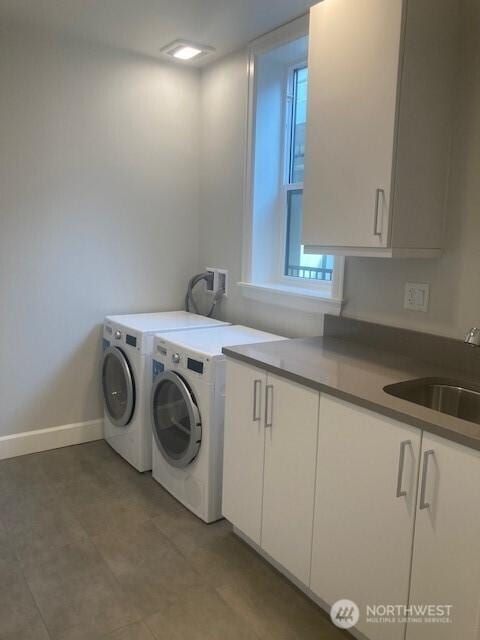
[
  {"x": 426, "y": 456},
  {"x": 257, "y": 385},
  {"x": 379, "y": 195},
  {"x": 401, "y": 464},
  {"x": 269, "y": 405}
]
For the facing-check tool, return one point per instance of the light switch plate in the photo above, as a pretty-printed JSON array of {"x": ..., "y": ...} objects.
[{"x": 416, "y": 296}]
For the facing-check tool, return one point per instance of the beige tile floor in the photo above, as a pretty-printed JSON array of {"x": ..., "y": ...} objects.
[{"x": 92, "y": 550}]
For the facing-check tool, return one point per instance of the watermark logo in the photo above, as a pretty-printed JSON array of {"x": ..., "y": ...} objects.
[
  {"x": 412, "y": 614},
  {"x": 344, "y": 614}
]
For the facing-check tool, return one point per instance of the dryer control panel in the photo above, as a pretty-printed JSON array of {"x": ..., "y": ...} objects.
[{"x": 127, "y": 338}]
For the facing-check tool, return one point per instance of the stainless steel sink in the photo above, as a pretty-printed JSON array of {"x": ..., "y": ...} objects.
[{"x": 447, "y": 396}]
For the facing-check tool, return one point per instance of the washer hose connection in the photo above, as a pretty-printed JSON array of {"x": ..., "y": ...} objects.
[{"x": 190, "y": 303}]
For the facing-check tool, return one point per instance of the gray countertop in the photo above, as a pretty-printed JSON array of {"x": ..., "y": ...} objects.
[{"x": 358, "y": 373}]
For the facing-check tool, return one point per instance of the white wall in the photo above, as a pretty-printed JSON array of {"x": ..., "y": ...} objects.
[
  {"x": 223, "y": 141},
  {"x": 375, "y": 290},
  {"x": 268, "y": 157},
  {"x": 98, "y": 213},
  {"x": 99, "y": 177},
  {"x": 374, "y": 287}
]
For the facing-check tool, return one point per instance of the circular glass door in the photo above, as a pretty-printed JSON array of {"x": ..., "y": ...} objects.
[
  {"x": 118, "y": 387},
  {"x": 176, "y": 420}
]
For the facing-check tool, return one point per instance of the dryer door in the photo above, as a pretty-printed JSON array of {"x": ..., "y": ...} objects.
[
  {"x": 175, "y": 419},
  {"x": 118, "y": 386}
]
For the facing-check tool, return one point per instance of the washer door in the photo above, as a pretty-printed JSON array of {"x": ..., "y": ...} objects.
[
  {"x": 118, "y": 386},
  {"x": 175, "y": 419}
]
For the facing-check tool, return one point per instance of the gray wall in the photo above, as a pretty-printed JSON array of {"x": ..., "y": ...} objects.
[
  {"x": 374, "y": 288},
  {"x": 98, "y": 212}
]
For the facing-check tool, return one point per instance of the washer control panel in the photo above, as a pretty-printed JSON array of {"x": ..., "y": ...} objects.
[{"x": 192, "y": 364}]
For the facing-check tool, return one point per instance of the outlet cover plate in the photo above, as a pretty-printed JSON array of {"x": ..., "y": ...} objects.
[
  {"x": 220, "y": 280},
  {"x": 417, "y": 295}
]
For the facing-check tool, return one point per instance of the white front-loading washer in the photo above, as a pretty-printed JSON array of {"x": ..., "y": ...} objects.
[
  {"x": 187, "y": 406},
  {"x": 127, "y": 349}
]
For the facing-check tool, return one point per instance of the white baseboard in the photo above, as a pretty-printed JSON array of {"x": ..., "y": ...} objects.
[{"x": 20, "y": 444}]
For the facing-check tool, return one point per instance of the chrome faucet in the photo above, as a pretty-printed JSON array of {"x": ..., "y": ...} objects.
[{"x": 473, "y": 337}]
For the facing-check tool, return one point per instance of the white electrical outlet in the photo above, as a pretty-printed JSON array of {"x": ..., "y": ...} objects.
[{"x": 416, "y": 296}]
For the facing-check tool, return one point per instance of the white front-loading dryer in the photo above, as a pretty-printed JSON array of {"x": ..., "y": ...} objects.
[
  {"x": 126, "y": 381},
  {"x": 187, "y": 407}
]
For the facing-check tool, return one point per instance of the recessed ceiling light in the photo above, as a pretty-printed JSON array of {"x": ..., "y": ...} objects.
[
  {"x": 186, "y": 53},
  {"x": 185, "y": 50}
]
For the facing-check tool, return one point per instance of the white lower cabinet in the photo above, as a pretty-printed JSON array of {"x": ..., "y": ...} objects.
[
  {"x": 341, "y": 497},
  {"x": 446, "y": 556},
  {"x": 271, "y": 429},
  {"x": 289, "y": 475},
  {"x": 364, "y": 510},
  {"x": 244, "y": 447}
]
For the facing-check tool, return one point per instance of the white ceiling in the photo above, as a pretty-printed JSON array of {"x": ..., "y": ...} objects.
[{"x": 144, "y": 26}]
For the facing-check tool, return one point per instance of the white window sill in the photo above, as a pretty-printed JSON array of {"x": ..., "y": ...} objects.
[{"x": 300, "y": 298}]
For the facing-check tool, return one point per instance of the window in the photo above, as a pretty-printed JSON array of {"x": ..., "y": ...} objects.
[
  {"x": 297, "y": 119},
  {"x": 297, "y": 263},
  {"x": 275, "y": 263}
]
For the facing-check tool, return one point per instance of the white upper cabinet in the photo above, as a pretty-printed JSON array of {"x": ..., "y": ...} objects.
[
  {"x": 381, "y": 80},
  {"x": 353, "y": 65}
]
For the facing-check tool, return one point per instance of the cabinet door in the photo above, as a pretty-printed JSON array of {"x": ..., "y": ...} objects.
[
  {"x": 353, "y": 75},
  {"x": 291, "y": 426},
  {"x": 446, "y": 557},
  {"x": 244, "y": 446},
  {"x": 367, "y": 468}
]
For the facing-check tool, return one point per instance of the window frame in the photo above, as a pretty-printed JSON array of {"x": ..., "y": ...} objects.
[{"x": 329, "y": 294}]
